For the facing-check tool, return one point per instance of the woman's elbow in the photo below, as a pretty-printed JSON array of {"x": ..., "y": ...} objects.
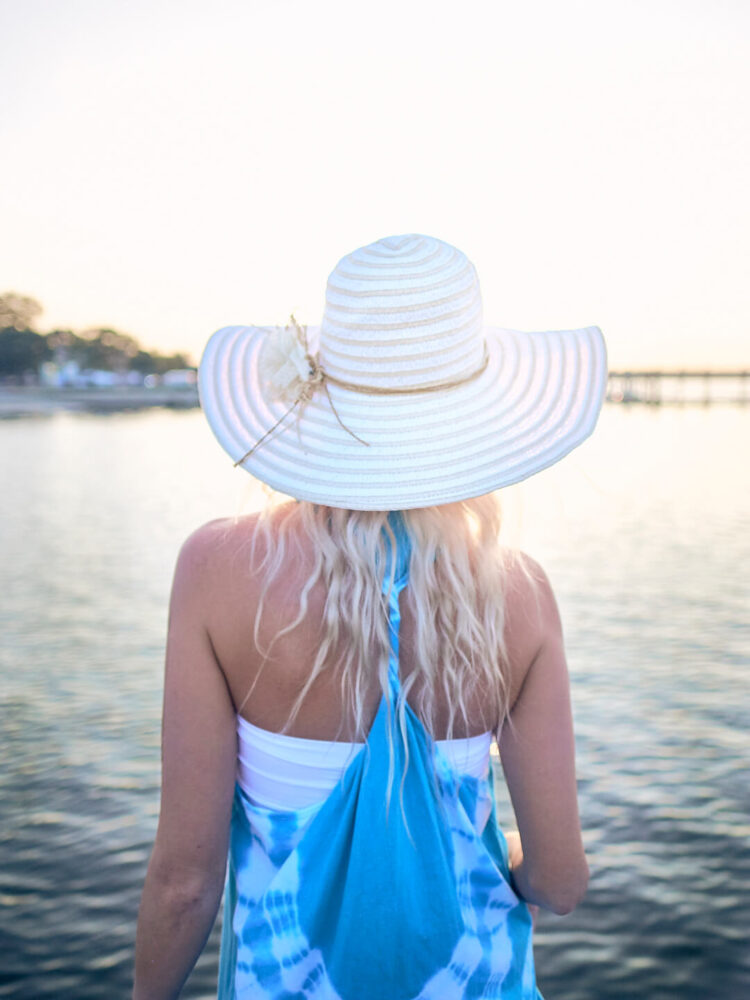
[
  {"x": 563, "y": 895},
  {"x": 184, "y": 889}
]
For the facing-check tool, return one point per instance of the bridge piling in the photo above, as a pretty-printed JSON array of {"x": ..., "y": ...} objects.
[{"x": 682, "y": 387}]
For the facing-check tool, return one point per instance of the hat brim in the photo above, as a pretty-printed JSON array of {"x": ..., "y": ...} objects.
[{"x": 537, "y": 399}]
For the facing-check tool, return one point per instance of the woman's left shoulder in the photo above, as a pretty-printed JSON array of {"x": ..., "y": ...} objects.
[{"x": 212, "y": 548}]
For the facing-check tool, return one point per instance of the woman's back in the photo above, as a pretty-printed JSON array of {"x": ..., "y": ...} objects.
[
  {"x": 403, "y": 850},
  {"x": 265, "y": 692}
]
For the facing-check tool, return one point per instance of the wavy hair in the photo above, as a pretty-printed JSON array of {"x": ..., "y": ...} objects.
[{"x": 456, "y": 593}]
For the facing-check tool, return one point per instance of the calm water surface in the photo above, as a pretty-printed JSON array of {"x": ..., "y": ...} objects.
[{"x": 645, "y": 532}]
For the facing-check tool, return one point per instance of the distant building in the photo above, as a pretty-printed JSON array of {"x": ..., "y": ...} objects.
[
  {"x": 49, "y": 374},
  {"x": 68, "y": 374},
  {"x": 178, "y": 378}
]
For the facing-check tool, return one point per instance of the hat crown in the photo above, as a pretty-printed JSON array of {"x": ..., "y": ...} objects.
[{"x": 404, "y": 312}]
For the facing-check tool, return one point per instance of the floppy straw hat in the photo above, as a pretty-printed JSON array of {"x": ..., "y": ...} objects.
[{"x": 402, "y": 397}]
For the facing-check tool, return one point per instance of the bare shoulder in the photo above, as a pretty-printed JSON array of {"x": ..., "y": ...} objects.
[
  {"x": 212, "y": 552},
  {"x": 528, "y": 592},
  {"x": 532, "y": 618}
]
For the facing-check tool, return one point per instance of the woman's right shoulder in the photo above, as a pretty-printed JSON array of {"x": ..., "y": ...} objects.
[
  {"x": 527, "y": 586},
  {"x": 532, "y": 617}
]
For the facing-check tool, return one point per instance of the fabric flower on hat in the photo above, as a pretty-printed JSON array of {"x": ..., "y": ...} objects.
[{"x": 283, "y": 365}]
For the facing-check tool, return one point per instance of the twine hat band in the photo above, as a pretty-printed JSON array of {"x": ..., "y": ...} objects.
[
  {"x": 318, "y": 378},
  {"x": 402, "y": 397}
]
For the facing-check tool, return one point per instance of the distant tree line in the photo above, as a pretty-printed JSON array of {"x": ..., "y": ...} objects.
[{"x": 23, "y": 349}]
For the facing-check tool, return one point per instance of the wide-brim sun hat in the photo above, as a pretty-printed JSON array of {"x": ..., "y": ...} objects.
[{"x": 402, "y": 397}]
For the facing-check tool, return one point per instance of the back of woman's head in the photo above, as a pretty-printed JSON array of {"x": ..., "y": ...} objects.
[{"x": 455, "y": 591}]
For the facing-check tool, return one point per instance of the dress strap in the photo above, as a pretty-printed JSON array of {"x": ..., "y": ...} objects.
[{"x": 395, "y": 578}]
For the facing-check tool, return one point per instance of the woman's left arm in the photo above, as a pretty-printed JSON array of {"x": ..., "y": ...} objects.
[{"x": 186, "y": 873}]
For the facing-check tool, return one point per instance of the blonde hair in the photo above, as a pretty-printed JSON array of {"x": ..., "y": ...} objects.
[{"x": 456, "y": 579}]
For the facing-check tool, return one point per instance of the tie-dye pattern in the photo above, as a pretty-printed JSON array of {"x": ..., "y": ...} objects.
[{"x": 375, "y": 897}]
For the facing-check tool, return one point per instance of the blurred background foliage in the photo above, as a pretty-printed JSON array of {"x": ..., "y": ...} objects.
[{"x": 23, "y": 348}]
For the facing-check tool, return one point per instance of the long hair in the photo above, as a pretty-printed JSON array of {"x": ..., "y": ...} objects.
[{"x": 457, "y": 571}]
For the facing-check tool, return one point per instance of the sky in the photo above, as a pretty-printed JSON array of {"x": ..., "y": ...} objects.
[{"x": 172, "y": 166}]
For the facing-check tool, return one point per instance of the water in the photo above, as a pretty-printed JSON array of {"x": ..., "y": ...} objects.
[{"x": 645, "y": 532}]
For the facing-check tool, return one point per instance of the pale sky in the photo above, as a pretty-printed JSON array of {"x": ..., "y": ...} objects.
[{"x": 172, "y": 166}]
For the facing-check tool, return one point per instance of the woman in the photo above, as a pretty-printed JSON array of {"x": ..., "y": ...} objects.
[{"x": 338, "y": 666}]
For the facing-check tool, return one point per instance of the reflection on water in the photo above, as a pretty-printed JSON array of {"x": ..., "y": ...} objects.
[{"x": 645, "y": 532}]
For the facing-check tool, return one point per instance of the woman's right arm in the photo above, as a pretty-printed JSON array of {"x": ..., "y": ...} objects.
[{"x": 537, "y": 752}]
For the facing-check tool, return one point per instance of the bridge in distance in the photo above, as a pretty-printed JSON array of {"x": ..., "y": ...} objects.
[{"x": 678, "y": 386}]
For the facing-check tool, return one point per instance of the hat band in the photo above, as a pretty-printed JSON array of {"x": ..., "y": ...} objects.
[
  {"x": 319, "y": 377},
  {"x": 382, "y": 390}
]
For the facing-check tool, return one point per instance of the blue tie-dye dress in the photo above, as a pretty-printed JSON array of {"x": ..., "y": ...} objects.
[{"x": 372, "y": 895}]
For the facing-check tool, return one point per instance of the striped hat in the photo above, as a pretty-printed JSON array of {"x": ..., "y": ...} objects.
[{"x": 401, "y": 397}]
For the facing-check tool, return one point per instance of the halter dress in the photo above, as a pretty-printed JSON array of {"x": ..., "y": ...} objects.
[{"x": 395, "y": 887}]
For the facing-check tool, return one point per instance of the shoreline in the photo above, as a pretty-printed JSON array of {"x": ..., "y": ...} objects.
[{"x": 37, "y": 401}]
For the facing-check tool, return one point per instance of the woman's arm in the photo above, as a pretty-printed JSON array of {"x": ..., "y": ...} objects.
[
  {"x": 199, "y": 752},
  {"x": 515, "y": 858},
  {"x": 538, "y": 756}
]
